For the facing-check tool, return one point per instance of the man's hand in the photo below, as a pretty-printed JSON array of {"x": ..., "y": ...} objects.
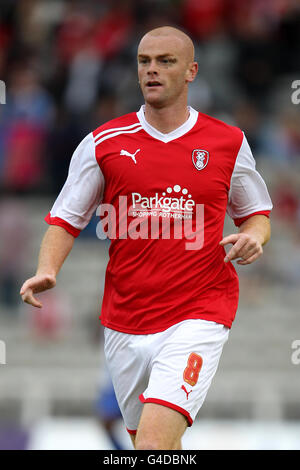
[
  {"x": 245, "y": 246},
  {"x": 56, "y": 245},
  {"x": 254, "y": 232},
  {"x": 34, "y": 285}
]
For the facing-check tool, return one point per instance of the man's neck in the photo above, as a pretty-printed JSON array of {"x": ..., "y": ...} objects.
[{"x": 166, "y": 119}]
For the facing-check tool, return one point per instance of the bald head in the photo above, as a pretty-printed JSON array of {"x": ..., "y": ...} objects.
[
  {"x": 182, "y": 40},
  {"x": 166, "y": 66}
]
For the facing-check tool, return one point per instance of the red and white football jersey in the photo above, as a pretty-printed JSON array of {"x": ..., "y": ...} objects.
[{"x": 195, "y": 173}]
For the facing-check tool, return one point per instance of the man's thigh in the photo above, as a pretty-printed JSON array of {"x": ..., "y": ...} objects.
[
  {"x": 160, "y": 428},
  {"x": 172, "y": 370},
  {"x": 127, "y": 362},
  {"x": 184, "y": 366}
]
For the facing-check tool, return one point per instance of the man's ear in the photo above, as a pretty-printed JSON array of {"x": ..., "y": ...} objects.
[{"x": 192, "y": 72}]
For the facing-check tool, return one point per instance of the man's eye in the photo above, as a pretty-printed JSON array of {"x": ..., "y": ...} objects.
[{"x": 168, "y": 61}]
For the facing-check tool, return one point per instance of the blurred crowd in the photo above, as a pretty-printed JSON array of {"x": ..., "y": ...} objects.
[{"x": 70, "y": 65}]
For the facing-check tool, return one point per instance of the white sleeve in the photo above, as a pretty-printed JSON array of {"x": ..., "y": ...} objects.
[
  {"x": 248, "y": 192},
  {"x": 83, "y": 190}
]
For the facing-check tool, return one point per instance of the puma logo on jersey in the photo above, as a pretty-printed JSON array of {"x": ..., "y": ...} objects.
[
  {"x": 185, "y": 390},
  {"x": 131, "y": 155}
]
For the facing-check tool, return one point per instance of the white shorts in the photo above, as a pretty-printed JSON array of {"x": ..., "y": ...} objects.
[{"x": 173, "y": 368}]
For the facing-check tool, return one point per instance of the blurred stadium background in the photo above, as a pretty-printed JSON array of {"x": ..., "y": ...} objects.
[{"x": 69, "y": 66}]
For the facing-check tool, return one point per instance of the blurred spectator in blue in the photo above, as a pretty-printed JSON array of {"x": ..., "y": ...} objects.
[
  {"x": 25, "y": 119},
  {"x": 108, "y": 412},
  {"x": 281, "y": 138},
  {"x": 83, "y": 83}
]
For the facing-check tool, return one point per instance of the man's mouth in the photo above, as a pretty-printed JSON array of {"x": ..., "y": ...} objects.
[{"x": 153, "y": 83}]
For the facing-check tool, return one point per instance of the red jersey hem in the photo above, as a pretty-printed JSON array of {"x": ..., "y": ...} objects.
[
  {"x": 239, "y": 221},
  {"x": 149, "y": 331},
  {"x": 131, "y": 431},
  {"x": 62, "y": 223},
  {"x": 168, "y": 404}
]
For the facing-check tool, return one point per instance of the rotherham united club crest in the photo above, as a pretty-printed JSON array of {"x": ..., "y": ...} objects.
[{"x": 200, "y": 158}]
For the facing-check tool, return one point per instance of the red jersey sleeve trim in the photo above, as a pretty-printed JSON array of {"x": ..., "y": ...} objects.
[
  {"x": 62, "y": 223},
  {"x": 131, "y": 431},
  {"x": 168, "y": 405},
  {"x": 239, "y": 221}
]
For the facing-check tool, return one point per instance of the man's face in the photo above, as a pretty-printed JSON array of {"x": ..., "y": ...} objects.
[{"x": 164, "y": 69}]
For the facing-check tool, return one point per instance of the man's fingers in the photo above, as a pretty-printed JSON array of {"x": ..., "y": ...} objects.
[
  {"x": 229, "y": 239},
  {"x": 38, "y": 283},
  {"x": 233, "y": 239},
  {"x": 248, "y": 260},
  {"x": 31, "y": 284},
  {"x": 29, "y": 298},
  {"x": 34, "y": 285},
  {"x": 244, "y": 252},
  {"x": 34, "y": 302},
  {"x": 236, "y": 250},
  {"x": 25, "y": 286},
  {"x": 244, "y": 246},
  {"x": 251, "y": 256}
]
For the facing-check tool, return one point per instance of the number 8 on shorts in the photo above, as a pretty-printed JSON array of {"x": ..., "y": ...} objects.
[{"x": 192, "y": 370}]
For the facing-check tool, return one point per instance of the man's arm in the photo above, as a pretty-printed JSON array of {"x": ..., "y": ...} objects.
[
  {"x": 56, "y": 245},
  {"x": 247, "y": 244}
]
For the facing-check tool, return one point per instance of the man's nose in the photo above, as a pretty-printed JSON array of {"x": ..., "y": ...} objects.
[{"x": 152, "y": 69}]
